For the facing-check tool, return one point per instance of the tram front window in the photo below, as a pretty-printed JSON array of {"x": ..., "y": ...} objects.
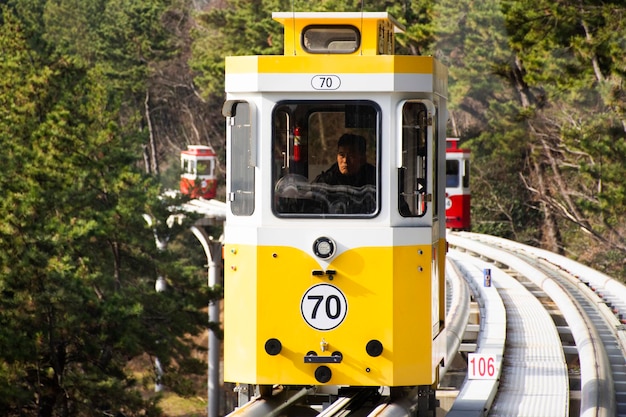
[
  {"x": 205, "y": 168},
  {"x": 325, "y": 158}
]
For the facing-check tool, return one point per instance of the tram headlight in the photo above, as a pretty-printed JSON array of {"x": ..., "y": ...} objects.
[{"x": 324, "y": 247}]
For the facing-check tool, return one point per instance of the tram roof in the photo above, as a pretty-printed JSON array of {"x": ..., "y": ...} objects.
[
  {"x": 452, "y": 146},
  {"x": 314, "y": 33},
  {"x": 198, "y": 150}
]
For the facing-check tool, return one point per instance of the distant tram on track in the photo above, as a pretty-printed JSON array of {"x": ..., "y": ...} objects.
[
  {"x": 198, "y": 178},
  {"x": 334, "y": 245},
  {"x": 458, "y": 196}
]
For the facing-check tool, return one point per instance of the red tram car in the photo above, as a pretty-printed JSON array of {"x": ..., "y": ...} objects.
[
  {"x": 198, "y": 178},
  {"x": 457, "y": 186}
]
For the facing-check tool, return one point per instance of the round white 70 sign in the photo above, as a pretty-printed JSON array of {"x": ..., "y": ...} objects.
[{"x": 323, "y": 307}]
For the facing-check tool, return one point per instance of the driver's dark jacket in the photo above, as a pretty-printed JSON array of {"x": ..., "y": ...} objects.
[{"x": 332, "y": 176}]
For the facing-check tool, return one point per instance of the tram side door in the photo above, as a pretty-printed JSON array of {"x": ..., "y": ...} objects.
[{"x": 417, "y": 167}]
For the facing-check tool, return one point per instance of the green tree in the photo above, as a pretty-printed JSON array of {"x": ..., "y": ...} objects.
[
  {"x": 242, "y": 28},
  {"x": 570, "y": 56},
  {"x": 536, "y": 91},
  {"x": 487, "y": 112},
  {"x": 78, "y": 263}
]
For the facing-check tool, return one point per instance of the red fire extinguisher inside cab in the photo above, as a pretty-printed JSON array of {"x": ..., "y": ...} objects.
[{"x": 296, "y": 144}]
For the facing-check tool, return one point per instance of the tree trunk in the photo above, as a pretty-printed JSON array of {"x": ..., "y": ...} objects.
[
  {"x": 153, "y": 148},
  {"x": 550, "y": 235}
]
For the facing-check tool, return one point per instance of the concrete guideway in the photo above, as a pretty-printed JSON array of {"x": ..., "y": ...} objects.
[
  {"x": 534, "y": 376},
  {"x": 584, "y": 313}
]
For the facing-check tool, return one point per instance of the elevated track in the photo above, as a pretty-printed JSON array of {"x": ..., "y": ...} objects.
[{"x": 589, "y": 329}]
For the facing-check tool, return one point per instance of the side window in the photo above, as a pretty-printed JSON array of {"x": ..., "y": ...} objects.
[
  {"x": 241, "y": 195},
  {"x": 325, "y": 158},
  {"x": 452, "y": 173},
  {"x": 412, "y": 175}
]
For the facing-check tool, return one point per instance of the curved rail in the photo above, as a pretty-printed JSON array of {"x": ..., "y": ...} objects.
[{"x": 597, "y": 389}]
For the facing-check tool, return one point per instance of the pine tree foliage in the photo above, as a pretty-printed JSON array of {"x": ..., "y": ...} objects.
[
  {"x": 78, "y": 263},
  {"x": 536, "y": 91},
  {"x": 485, "y": 112},
  {"x": 571, "y": 60}
]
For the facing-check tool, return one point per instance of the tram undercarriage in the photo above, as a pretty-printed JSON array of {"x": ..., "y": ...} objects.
[{"x": 297, "y": 401}]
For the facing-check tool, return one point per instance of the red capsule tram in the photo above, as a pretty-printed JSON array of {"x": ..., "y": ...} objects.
[
  {"x": 457, "y": 186},
  {"x": 198, "y": 178}
]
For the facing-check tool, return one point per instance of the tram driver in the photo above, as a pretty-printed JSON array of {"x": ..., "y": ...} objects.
[
  {"x": 351, "y": 167},
  {"x": 351, "y": 180}
]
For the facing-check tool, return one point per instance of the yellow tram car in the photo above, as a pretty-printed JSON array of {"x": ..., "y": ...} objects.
[{"x": 333, "y": 277}]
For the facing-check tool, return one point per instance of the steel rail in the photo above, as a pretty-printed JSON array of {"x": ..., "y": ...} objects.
[{"x": 270, "y": 406}]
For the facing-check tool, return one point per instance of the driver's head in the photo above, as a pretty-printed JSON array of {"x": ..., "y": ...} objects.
[{"x": 350, "y": 153}]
